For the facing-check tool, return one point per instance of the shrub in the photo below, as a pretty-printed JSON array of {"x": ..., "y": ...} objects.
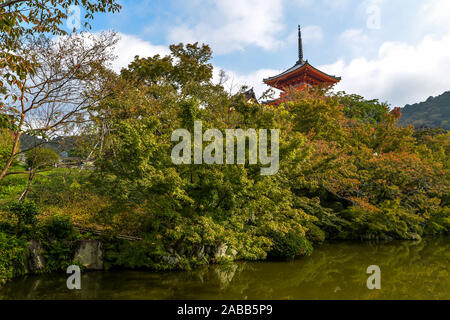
[
  {"x": 314, "y": 233},
  {"x": 60, "y": 227},
  {"x": 6, "y": 227},
  {"x": 25, "y": 212},
  {"x": 391, "y": 221},
  {"x": 40, "y": 158},
  {"x": 58, "y": 254},
  {"x": 60, "y": 244},
  {"x": 439, "y": 222},
  {"x": 13, "y": 257},
  {"x": 135, "y": 255},
  {"x": 289, "y": 246},
  {"x": 6, "y": 143},
  {"x": 12, "y": 186}
]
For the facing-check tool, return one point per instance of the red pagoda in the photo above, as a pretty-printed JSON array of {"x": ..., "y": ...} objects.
[{"x": 302, "y": 75}]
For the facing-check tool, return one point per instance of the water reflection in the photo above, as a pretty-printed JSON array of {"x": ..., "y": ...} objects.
[{"x": 335, "y": 271}]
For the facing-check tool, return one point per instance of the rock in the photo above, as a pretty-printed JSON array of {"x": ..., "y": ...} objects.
[
  {"x": 386, "y": 238},
  {"x": 200, "y": 252},
  {"x": 36, "y": 260},
  {"x": 233, "y": 253},
  {"x": 171, "y": 260},
  {"x": 221, "y": 251},
  {"x": 415, "y": 236},
  {"x": 89, "y": 254}
]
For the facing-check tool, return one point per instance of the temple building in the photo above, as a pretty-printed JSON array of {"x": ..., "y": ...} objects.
[{"x": 299, "y": 77}]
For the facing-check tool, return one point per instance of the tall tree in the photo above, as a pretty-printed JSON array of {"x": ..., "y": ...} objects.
[
  {"x": 65, "y": 82},
  {"x": 19, "y": 18}
]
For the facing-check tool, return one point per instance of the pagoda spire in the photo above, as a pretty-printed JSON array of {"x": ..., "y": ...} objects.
[
  {"x": 299, "y": 77},
  {"x": 300, "y": 46}
]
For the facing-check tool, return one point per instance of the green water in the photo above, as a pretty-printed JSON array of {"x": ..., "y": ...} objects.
[{"x": 335, "y": 271}]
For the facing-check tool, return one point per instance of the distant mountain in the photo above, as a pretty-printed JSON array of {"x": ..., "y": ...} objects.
[
  {"x": 58, "y": 144},
  {"x": 433, "y": 113}
]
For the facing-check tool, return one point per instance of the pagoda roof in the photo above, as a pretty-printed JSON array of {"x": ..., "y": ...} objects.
[
  {"x": 300, "y": 66},
  {"x": 250, "y": 94}
]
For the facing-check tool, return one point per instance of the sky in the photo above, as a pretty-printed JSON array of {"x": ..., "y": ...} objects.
[{"x": 397, "y": 51}]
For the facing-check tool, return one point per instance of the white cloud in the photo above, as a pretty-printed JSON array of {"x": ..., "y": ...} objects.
[
  {"x": 252, "y": 80},
  {"x": 126, "y": 48},
  {"x": 332, "y": 4},
  {"x": 304, "y": 3},
  {"x": 337, "y": 4},
  {"x": 129, "y": 46},
  {"x": 435, "y": 13},
  {"x": 310, "y": 34},
  {"x": 230, "y": 25},
  {"x": 369, "y": 3},
  {"x": 400, "y": 74},
  {"x": 356, "y": 40},
  {"x": 354, "y": 35}
]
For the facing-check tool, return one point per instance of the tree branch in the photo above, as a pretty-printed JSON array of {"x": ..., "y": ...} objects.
[{"x": 10, "y": 3}]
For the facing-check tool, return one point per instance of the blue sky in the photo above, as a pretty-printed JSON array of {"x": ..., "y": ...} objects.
[{"x": 397, "y": 51}]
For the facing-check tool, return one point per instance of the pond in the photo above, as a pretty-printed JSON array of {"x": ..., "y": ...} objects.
[{"x": 409, "y": 270}]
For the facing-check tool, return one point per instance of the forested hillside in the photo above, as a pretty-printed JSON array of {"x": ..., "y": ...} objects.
[{"x": 432, "y": 113}]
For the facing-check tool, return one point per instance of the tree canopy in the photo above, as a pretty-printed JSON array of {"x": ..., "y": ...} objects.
[{"x": 347, "y": 170}]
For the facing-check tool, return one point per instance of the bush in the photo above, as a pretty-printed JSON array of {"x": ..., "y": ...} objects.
[
  {"x": 61, "y": 243},
  {"x": 145, "y": 254},
  {"x": 26, "y": 214},
  {"x": 6, "y": 143},
  {"x": 40, "y": 158},
  {"x": 439, "y": 222},
  {"x": 58, "y": 254},
  {"x": 314, "y": 234},
  {"x": 6, "y": 227},
  {"x": 61, "y": 188},
  {"x": 13, "y": 257},
  {"x": 12, "y": 186},
  {"x": 289, "y": 246},
  {"x": 60, "y": 227},
  {"x": 392, "y": 221}
]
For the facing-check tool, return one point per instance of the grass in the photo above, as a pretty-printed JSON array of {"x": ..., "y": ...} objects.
[
  {"x": 67, "y": 192},
  {"x": 57, "y": 192},
  {"x": 13, "y": 185}
]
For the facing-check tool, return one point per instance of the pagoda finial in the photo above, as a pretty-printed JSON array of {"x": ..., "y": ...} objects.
[{"x": 300, "y": 46}]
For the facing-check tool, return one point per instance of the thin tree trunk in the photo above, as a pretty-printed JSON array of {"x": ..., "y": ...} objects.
[
  {"x": 88, "y": 158},
  {"x": 30, "y": 180}
]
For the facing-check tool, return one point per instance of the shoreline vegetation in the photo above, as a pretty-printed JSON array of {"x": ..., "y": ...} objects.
[
  {"x": 344, "y": 174},
  {"x": 347, "y": 170},
  {"x": 336, "y": 270}
]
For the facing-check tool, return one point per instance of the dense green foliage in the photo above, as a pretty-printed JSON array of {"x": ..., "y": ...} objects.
[
  {"x": 357, "y": 107},
  {"x": 347, "y": 171},
  {"x": 13, "y": 255},
  {"x": 39, "y": 158},
  {"x": 135, "y": 255},
  {"x": 289, "y": 245},
  {"x": 25, "y": 213},
  {"x": 60, "y": 227},
  {"x": 6, "y": 142},
  {"x": 432, "y": 113}
]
